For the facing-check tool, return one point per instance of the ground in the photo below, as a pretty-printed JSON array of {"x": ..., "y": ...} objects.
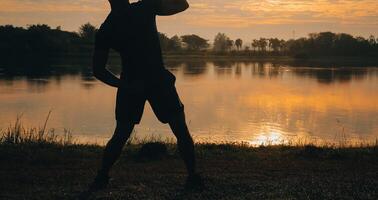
[{"x": 230, "y": 172}]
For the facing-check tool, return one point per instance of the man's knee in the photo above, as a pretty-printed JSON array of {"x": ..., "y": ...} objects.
[
  {"x": 178, "y": 120},
  {"x": 125, "y": 125},
  {"x": 124, "y": 129},
  {"x": 180, "y": 129}
]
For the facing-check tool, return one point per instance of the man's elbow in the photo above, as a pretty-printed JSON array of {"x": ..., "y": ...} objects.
[
  {"x": 181, "y": 7},
  {"x": 185, "y": 6},
  {"x": 172, "y": 7}
]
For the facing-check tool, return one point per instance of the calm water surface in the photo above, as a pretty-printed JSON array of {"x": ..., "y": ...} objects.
[{"x": 225, "y": 101}]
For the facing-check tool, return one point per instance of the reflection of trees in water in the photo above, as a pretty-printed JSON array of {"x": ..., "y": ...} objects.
[
  {"x": 330, "y": 63},
  {"x": 87, "y": 79},
  {"x": 87, "y": 85},
  {"x": 223, "y": 67},
  {"x": 174, "y": 65},
  {"x": 263, "y": 69},
  {"x": 328, "y": 76},
  {"x": 373, "y": 72},
  {"x": 87, "y": 76},
  {"x": 37, "y": 85},
  {"x": 190, "y": 68},
  {"x": 238, "y": 70},
  {"x": 33, "y": 71},
  {"x": 195, "y": 68},
  {"x": 38, "y": 78}
]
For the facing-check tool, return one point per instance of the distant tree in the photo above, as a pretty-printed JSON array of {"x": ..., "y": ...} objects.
[
  {"x": 39, "y": 28},
  {"x": 36, "y": 44},
  {"x": 40, "y": 42},
  {"x": 230, "y": 44},
  {"x": 87, "y": 32},
  {"x": 282, "y": 45},
  {"x": 194, "y": 42},
  {"x": 372, "y": 40},
  {"x": 255, "y": 45},
  {"x": 164, "y": 42},
  {"x": 222, "y": 42},
  {"x": 238, "y": 43},
  {"x": 321, "y": 43},
  {"x": 262, "y": 44},
  {"x": 343, "y": 44},
  {"x": 274, "y": 44},
  {"x": 175, "y": 43}
]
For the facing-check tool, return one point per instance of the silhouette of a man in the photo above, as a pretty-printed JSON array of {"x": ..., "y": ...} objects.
[{"x": 130, "y": 29}]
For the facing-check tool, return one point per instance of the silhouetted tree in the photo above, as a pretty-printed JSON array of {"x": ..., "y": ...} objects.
[
  {"x": 195, "y": 42},
  {"x": 238, "y": 43},
  {"x": 255, "y": 45},
  {"x": 87, "y": 32},
  {"x": 40, "y": 42},
  {"x": 372, "y": 40},
  {"x": 274, "y": 44},
  {"x": 262, "y": 44},
  {"x": 164, "y": 42},
  {"x": 175, "y": 43},
  {"x": 222, "y": 43}
]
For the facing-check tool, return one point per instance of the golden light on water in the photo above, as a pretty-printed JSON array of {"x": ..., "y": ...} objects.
[
  {"x": 258, "y": 104},
  {"x": 271, "y": 137}
]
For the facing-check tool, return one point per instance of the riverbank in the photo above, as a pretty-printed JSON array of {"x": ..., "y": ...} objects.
[
  {"x": 80, "y": 60},
  {"x": 35, "y": 163},
  {"x": 47, "y": 170}
]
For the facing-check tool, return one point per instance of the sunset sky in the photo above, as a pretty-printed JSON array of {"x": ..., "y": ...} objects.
[{"x": 246, "y": 19}]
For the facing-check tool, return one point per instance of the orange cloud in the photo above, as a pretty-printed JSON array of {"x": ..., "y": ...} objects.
[{"x": 213, "y": 15}]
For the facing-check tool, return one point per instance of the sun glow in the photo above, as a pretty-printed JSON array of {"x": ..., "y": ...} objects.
[
  {"x": 210, "y": 17},
  {"x": 268, "y": 138}
]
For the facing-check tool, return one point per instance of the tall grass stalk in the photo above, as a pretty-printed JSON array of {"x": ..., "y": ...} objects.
[{"x": 17, "y": 134}]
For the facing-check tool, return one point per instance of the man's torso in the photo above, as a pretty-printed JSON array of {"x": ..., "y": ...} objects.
[{"x": 134, "y": 35}]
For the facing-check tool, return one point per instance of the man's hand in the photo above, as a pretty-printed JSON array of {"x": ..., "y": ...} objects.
[{"x": 171, "y": 7}]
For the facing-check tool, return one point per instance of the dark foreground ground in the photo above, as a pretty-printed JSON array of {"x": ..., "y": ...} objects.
[{"x": 230, "y": 171}]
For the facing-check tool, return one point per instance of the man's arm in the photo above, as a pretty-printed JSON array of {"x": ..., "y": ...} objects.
[
  {"x": 171, "y": 7},
  {"x": 100, "y": 58}
]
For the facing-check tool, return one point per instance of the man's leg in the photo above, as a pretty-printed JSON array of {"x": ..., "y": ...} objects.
[
  {"x": 111, "y": 154},
  {"x": 184, "y": 142},
  {"x": 115, "y": 145}
]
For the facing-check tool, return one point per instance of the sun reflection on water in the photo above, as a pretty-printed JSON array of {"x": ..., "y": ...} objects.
[{"x": 269, "y": 134}]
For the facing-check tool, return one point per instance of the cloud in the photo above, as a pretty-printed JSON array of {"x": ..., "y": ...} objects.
[
  {"x": 209, "y": 15},
  {"x": 22, "y": 6},
  {"x": 246, "y": 13}
]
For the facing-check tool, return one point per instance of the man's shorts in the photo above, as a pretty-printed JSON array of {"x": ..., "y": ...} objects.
[{"x": 163, "y": 99}]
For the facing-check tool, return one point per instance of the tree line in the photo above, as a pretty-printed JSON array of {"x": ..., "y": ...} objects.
[{"x": 41, "y": 41}]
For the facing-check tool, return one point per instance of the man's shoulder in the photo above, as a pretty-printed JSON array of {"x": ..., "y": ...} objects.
[{"x": 102, "y": 36}]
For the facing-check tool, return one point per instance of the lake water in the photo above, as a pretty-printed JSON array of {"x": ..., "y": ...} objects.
[{"x": 252, "y": 102}]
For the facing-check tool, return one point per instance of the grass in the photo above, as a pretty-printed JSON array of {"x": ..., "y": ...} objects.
[
  {"x": 35, "y": 163},
  {"x": 17, "y": 134}
]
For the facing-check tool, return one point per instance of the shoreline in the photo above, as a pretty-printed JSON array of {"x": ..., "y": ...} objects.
[
  {"x": 314, "y": 61},
  {"x": 37, "y": 164}
]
